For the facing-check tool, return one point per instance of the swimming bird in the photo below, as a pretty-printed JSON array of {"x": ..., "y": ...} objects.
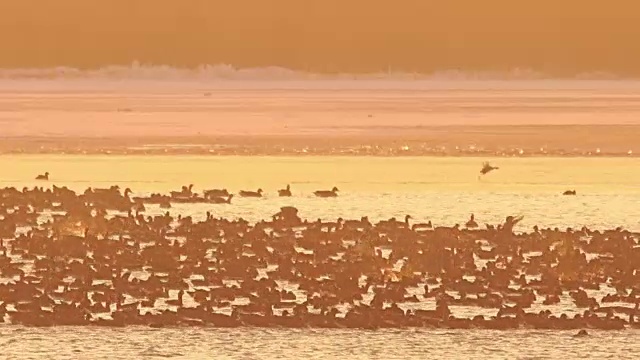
[
  {"x": 422, "y": 226},
  {"x": 285, "y": 192},
  {"x": 43, "y": 177},
  {"x": 215, "y": 193},
  {"x": 472, "y": 224},
  {"x": 220, "y": 199},
  {"x": 326, "y": 193},
  {"x": 581, "y": 333},
  {"x": 245, "y": 193},
  {"x": 185, "y": 192},
  {"x": 287, "y": 211},
  {"x": 569, "y": 192},
  {"x": 486, "y": 168}
]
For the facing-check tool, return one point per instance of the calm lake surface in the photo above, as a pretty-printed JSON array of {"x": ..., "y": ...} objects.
[{"x": 445, "y": 190}]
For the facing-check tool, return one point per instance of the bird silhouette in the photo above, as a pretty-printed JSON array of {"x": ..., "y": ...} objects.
[{"x": 487, "y": 168}]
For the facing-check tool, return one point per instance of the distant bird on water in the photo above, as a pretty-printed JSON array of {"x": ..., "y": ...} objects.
[
  {"x": 569, "y": 192},
  {"x": 245, "y": 193},
  {"x": 285, "y": 192},
  {"x": 472, "y": 224},
  {"x": 43, "y": 177},
  {"x": 326, "y": 193}
]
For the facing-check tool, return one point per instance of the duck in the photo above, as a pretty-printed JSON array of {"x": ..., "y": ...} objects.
[
  {"x": 326, "y": 193},
  {"x": 285, "y": 192},
  {"x": 245, "y": 193},
  {"x": 569, "y": 192},
  {"x": 43, "y": 177}
]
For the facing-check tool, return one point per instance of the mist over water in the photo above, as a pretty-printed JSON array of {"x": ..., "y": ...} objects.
[{"x": 218, "y": 72}]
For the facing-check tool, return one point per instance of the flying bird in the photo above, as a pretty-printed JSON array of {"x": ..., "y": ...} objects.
[{"x": 486, "y": 168}]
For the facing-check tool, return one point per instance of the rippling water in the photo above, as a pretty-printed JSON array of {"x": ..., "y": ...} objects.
[
  {"x": 444, "y": 190},
  {"x": 200, "y": 343}
]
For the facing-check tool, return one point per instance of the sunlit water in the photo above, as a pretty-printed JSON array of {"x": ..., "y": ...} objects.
[
  {"x": 445, "y": 190},
  {"x": 144, "y": 343}
]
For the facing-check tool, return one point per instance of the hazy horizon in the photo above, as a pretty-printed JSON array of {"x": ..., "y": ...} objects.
[{"x": 409, "y": 36}]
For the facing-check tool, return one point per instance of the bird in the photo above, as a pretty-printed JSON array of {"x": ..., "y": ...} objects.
[
  {"x": 422, "y": 226},
  {"x": 569, "y": 192},
  {"x": 220, "y": 199},
  {"x": 43, "y": 177},
  {"x": 472, "y": 224},
  {"x": 326, "y": 193},
  {"x": 185, "y": 192},
  {"x": 215, "y": 193},
  {"x": 245, "y": 193},
  {"x": 486, "y": 168},
  {"x": 285, "y": 192}
]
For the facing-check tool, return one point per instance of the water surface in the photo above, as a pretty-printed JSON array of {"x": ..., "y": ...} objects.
[
  {"x": 444, "y": 190},
  {"x": 203, "y": 343}
]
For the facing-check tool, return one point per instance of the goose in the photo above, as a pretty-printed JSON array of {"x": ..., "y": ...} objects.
[
  {"x": 472, "y": 224},
  {"x": 221, "y": 200},
  {"x": 245, "y": 193},
  {"x": 287, "y": 211},
  {"x": 43, "y": 177},
  {"x": 422, "y": 226},
  {"x": 395, "y": 223},
  {"x": 358, "y": 224},
  {"x": 186, "y": 192},
  {"x": 176, "y": 302},
  {"x": 581, "y": 333},
  {"x": 327, "y": 193},
  {"x": 165, "y": 204},
  {"x": 215, "y": 193},
  {"x": 487, "y": 168},
  {"x": 285, "y": 192}
]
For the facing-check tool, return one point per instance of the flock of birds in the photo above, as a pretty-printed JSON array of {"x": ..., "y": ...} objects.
[
  {"x": 87, "y": 258},
  {"x": 95, "y": 258},
  {"x": 221, "y": 196},
  {"x": 214, "y": 196}
]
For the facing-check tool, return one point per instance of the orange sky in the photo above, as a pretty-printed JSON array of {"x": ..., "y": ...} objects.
[{"x": 561, "y": 37}]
